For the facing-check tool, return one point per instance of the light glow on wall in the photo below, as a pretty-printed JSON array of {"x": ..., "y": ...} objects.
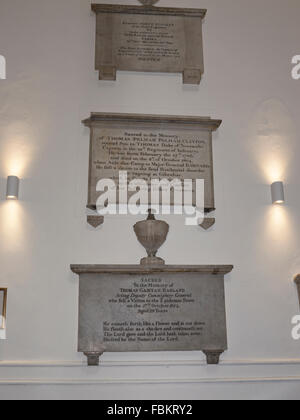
[
  {"x": 273, "y": 160},
  {"x": 271, "y": 138},
  {"x": 278, "y": 231},
  {"x": 14, "y": 160},
  {"x": 16, "y": 153},
  {"x": 12, "y": 225},
  {"x": 271, "y": 142}
]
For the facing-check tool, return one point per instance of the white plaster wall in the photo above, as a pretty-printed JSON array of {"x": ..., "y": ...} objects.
[{"x": 51, "y": 86}]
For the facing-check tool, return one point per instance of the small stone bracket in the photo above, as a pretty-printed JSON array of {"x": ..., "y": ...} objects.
[
  {"x": 208, "y": 223},
  {"x": 213, "y": 356},
  {"x": 192, "y": 76},
  {"x": 297, "y": 281},
  {"x": 95, "y": 221},
  {"x": 93, "y": 357},
  {"x": 108, "y": 73}
]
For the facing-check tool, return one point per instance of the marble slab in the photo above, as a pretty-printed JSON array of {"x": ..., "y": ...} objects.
[
  {"x": 3, "y": 303},
  {"x": 151, "y": 147},
  {"x": 149, "y": 39},
  {"x": 166, "y": 308}
]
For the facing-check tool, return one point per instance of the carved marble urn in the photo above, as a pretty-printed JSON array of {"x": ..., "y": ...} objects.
[
  {"x": 151, "y": 233},
  {"x": 148, "y": 2}
]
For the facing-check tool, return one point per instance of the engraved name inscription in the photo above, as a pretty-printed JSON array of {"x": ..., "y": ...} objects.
[
  {"x": 152, "y": 154},
  {"x": 152, "y": 296},
  {"x": 150, "y": 41}
]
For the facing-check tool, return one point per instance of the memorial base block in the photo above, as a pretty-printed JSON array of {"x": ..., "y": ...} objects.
[{"x": 138, "y": 308}]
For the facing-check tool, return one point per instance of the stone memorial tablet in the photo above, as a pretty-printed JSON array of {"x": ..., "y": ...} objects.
[
  {"x": 150, "y": 39},
  {"x": 144, "y": 308},
  {"x": 297, "y": 281},
  {"x": 3, "y": 299},
  {"x": 151, "y": 147}
]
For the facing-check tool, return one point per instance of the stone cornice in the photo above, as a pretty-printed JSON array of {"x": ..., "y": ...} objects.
[
  {"x": 200, "y": 122},
  {"x": 149, "y": 10},
  {"x": 139, "y": 269}
]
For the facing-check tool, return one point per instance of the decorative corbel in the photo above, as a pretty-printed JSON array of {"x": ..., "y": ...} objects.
[
  {"x": 93, "y": 357},
  {"x": 207, "y": 223},
  {"x": 213, "y": 356},
  {"x": 95, "y": 221}
]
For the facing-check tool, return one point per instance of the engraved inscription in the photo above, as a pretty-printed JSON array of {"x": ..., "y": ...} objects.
[
  {"x": 134, "y": 332},
  {"x": 152, "y": 154},
  {"x": 150, "y": 42},
  {"x": 152, "y": 296},
  {"x": 173, "y": 311},
  {"x": 149, "y": 150}
]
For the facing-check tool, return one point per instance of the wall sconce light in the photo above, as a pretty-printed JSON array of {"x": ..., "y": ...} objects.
[
  {"x": 277, "y": 191},
  {"x": 12, "y": 191}
]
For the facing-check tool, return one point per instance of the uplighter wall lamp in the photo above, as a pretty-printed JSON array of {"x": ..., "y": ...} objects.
[
  {"x": 12, "y": 191},
  {"x": 277, "y": 192}
]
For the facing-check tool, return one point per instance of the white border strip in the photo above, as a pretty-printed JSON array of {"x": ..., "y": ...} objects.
[
  {"x": 40, "y": 382},
  {"x": 129, "y": 363}
]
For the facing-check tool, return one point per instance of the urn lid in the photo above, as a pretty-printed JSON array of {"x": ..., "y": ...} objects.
[{"x": 148, "y": 2}]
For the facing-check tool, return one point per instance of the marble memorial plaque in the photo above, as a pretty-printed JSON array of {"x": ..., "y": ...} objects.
[
  {"x": 150, "y": 39},
  {"x": 131, "y": 308},
  {"x": 3, "y": 299},
  {"x": 151, "y": 147},
  {"x": 297, "y": 281}
]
